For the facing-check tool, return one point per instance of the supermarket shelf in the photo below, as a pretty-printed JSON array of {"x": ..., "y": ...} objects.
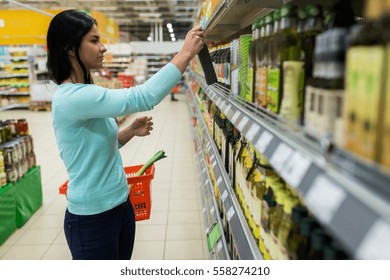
[
  {"x": 349, "y": 197},
  {"x": 242, "y": 236},
  {"x": 210, "y": 216},
  {"x": 210, "y": 209},
  {"x": 14, "y": 106},
  {"x": 231, "y": 16}
]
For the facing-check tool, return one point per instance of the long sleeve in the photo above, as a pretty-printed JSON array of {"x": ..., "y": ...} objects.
[{"x": 82, "y": 102}]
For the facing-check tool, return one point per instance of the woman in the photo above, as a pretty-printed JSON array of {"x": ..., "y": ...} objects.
[{"x": 99, "y": 220}]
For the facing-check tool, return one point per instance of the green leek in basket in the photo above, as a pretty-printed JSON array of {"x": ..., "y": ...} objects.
[{"x": 159, "y": 155}]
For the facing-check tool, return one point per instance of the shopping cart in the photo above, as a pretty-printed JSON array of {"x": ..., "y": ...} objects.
[{"x": 140, "y": 194}]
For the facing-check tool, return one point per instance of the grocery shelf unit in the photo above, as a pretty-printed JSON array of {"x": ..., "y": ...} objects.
[
  {"x": 348, "y": 195},
  {"x": 231, "y": 213},
  {"x": 15, "y": 80}
]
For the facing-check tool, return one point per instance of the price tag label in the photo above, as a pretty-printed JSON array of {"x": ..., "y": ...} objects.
[
  {"x": 212, "y": 157},
  {"x": 224, "y": 195},
  {"x": 207, "y": 181},
  {"x": 230, "y": 213},
  {"x": 223, "y": 106},
  {"x": 204, "y": 170},
  {"x": 376, "y": 244},
  {"x": 219, "y": 102},
  {"x": 213, "y": 164},
  {"x": 235, "y": 118},
  {"x": 280, "y": 156},
  {"x": 212, "y": 210},
  {"x": 219, "y": 246},
  {"x": 207, "y": 230},
  {"x": 295, "y": 169},
  {"x": 219, "y": 180},
  {"x": 227, "y": 110},
  {"x": 252, "y": 132},
  {"x": 242, "y": 123},
  {"x": 204, "y": 210},
  {"x": 263, "y": 142},
  {"x": 324, "y": 198}
]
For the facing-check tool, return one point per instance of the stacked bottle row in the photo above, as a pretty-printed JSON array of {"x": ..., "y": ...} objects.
[
  {"x": 16, "y": 151},
  {"x": 276, "y": 215},
  {"x": 318, "y": 69},
  {"x": 283, "y": 227}
]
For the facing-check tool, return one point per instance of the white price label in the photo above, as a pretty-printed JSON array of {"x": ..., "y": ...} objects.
[
  {"x": 230, "y": 213},
  {"x": 212, "y": 210},
  {"x": 224, "y": 195},
  {"x": 235, "y": 117},
  {"x": 252, "y": 132},
  {"x": 223, "y": 106},
  {"x": 295, "y": 169},
  {"x": 213, "y": 164},
  {"x": 204, "y": 210},
  {"x": 212, "y": 157},
  {"x": 263, "y": 142},
  {"x": 226, "y": 112},
  {"x": 219, "y": 102},
  {"x": 219, "y": 246},
  {"x": 280, "y": 156},
  {"x": 204, "y": 170},
  {"x": 242, "y": 123},
  {"x": 324, "y": 198},
  {"x": 207, "y": 230},
  {"x": 207, "y": 181},
  {"x": 376, "y": 243},
  {"x": 219, "y": 180}
]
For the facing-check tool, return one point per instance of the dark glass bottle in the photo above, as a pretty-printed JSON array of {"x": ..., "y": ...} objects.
[
  {"x": 318, "y": 240},
  {"x": 307, "y": 225},
  {"x": 298, "y": 213}
]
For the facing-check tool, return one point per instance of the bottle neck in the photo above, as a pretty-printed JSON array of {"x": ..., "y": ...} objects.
[{"x": 288, "y": 23}]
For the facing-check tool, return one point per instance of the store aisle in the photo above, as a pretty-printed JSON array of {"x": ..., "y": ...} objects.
[{"x": 175, "y": 230}]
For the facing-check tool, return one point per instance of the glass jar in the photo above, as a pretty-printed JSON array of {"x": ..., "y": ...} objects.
[
  {"x": 10, "y": 155},
  {"x": 22, "y": 127},
  {"x": 31, "y": 160},
  {"x": 12, "y": 126},
  {"x": 12, "y": 173}
]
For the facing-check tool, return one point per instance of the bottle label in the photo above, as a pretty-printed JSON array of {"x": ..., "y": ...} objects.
[
  {"x": 273, "y": 95},
  {"x": 261, "y": 86},
  {"x": 291, "y": 105}
]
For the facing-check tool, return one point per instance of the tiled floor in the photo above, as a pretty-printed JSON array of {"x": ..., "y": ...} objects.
[{"x": 175, "y": 230}]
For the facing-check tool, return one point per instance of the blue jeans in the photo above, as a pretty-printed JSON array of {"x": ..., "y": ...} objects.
[{"x": 105, "y": 236}]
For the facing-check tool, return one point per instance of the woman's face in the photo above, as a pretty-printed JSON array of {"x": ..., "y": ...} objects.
[{"x": 91, "y": 49}]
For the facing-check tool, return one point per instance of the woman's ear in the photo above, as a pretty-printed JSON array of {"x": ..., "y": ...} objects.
[{"x": 71, "y": 52}]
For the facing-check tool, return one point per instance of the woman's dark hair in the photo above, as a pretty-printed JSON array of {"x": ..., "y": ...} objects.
[{"x": 65, "y": 32}]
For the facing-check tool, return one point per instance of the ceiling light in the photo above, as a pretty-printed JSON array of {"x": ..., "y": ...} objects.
[
  {"x": 172, "y": 35},
  {"x": 170, "y": 30},
  {"x": 173, "y": 39},
  {"x": 149, "y": 39},
  {"x": 169, "y": 25}
]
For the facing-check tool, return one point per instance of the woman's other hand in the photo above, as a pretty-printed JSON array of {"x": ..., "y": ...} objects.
[{"x": 142, "y": 126}]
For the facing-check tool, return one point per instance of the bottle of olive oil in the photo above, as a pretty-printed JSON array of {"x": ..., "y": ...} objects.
[
  {"x": 274, "y": 65},
  {"x": 292, "y": 72},
  {"x": 252, "y": 59},
  {"x": 364, "y": 96},
  {"x": 266, "y": 26}
]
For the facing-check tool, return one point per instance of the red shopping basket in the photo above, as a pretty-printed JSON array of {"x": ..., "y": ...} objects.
[{"x": 140, "y": 195}]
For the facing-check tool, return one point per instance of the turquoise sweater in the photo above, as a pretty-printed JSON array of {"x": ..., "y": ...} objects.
[{"x": 87, "y": 137}]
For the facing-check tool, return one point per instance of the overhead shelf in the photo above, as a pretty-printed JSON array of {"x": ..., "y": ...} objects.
[
  {"x": 231, "y": 16},
  {"x": 351, "y": 198},
  {"x": 242, "y": 236}
]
